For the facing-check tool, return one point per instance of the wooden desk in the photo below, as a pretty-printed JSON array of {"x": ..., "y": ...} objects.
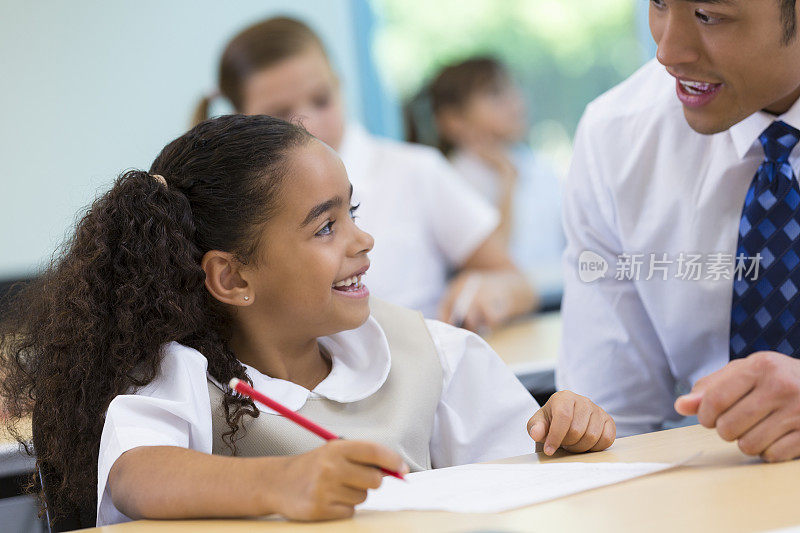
[
  {"x": 723, "y": 490},
  {"x": 530, "y": 348}
]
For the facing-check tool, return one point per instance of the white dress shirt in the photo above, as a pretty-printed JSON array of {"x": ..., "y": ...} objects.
[
  {"x": 425, "y": 220},
  {"x": 482, "y": 413},
  {"x": 537, "y": 239},
  {"x": 643, "y": 182}
]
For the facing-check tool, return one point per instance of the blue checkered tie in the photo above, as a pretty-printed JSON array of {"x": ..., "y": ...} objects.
[{"x": 765, "y": 314}]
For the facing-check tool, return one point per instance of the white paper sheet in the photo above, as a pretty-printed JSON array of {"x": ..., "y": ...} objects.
[{"x": 492, "y": 488}]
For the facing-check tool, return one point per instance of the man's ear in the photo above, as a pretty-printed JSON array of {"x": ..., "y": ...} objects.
[{"x": 224, "y": 280}]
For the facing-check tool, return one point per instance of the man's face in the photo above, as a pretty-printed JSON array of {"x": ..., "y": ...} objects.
[{"x": 729, "y": 58}]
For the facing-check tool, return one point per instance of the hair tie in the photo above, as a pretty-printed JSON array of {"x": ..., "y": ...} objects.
[{"x": 159, "y": 178}]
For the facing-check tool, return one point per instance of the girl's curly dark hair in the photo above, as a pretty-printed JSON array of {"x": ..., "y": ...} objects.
[{"x": 92, "y": 326}]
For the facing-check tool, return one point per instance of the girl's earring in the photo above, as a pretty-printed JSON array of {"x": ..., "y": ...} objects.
[{"x": 246, "y": 298}]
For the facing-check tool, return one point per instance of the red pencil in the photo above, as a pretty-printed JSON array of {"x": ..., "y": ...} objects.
[{"x": 243, "y": 388}]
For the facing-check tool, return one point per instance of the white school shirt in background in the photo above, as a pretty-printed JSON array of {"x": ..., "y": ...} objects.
[
  {"x": 482, "y": 413},
  {"x": 643, "y": 182},
  {"x": 537, "y": 239},
  {"x": 426, "y": 222}
]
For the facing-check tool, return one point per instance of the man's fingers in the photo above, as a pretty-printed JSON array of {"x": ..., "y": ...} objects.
[
  {"x": 538, "y": 426},
  {"x": 783, "y": 449},
  {"x": 744, "y": 414},
  {"x": 762, "y": 435},
  {"x": 591, "y": 435},
  {"x": 688, "y": 404},
  {"x": 723, "y": 389},
  {"x": 703, "y": 383},
  {"x": 719, "y": 399},
  {"x": 560, "y": 422}
]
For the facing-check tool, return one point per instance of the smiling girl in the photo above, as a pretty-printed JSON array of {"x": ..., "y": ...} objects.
[{"x": 238, "y": 255}]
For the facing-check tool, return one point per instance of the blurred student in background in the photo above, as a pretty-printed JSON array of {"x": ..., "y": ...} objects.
[
  {"x": 481, "y": 122},
  {"x": 427, "y": 223}
]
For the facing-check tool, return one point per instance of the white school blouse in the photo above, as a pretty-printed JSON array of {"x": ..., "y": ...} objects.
[
  {"x": 425, "y": 220},
  {"x": 482, "y": 413},
  {"x": 643, "y": 182}
]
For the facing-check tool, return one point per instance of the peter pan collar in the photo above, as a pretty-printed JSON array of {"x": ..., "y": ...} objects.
[{"x": 360, "y": 365}]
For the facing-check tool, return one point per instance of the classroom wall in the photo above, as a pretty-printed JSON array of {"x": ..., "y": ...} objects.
[{"x": 91, "y": 88}]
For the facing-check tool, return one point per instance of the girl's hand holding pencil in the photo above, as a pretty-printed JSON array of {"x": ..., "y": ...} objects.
[
  {"x": 327, "y": 483},
  {"x": 330, "y": 481}
]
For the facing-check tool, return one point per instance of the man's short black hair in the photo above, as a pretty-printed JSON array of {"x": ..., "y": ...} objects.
[{"x": 789, "y": 20}]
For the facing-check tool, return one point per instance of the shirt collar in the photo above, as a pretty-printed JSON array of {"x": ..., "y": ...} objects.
[
  {"x": 360, "y": 364},
  {"x": 745, "y": 133}
]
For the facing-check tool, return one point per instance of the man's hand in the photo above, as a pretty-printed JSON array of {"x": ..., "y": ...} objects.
[{"x": 755, "y": 401}]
